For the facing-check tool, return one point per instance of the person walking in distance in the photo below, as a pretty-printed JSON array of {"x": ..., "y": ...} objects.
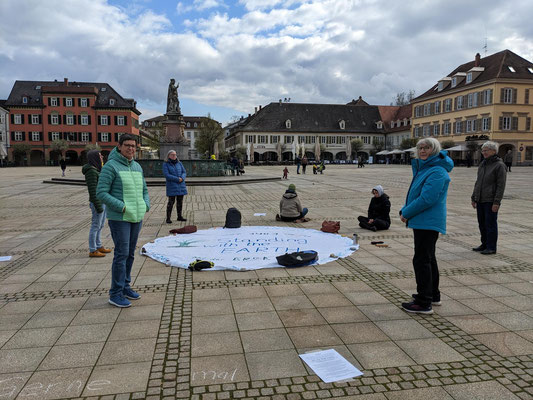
[
  {"x": 304, "y": 164},
  {"x": 425, "y": 212},
  {"x": 123, "y": 190},
  {"x": 487, "y": 196},
  {"x": 91, "y": 170},
  {"x": 508, "y": 159},
  {"x": 175, "y": 175},
  {"x": 63, "y": 165}
]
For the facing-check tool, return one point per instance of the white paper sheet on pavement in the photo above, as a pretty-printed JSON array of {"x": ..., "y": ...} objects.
[
  {"x": 5, "y": 258},
  {"x": 330, "y": 366},
  {"x": 246, "y": 248}
]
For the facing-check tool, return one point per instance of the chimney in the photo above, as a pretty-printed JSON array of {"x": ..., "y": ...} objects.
[
  {"x": 255, "y": 108},
  {"x": 477, "y": 60},
  {"x": 260, "y": 106},
  {"x": 65, "y": 80}
]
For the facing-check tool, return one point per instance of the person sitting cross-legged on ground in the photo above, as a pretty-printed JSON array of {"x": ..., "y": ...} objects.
[
  {"x": 378, "y": 211},
  {"x": 290, "y": 208}
]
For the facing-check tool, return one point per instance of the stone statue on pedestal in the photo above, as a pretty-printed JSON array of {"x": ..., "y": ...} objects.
[
  {"x": 173, "y": 103},
  {"x": 174, "y": 124}
]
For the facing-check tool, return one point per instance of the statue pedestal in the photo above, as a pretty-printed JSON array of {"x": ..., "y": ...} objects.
[{"x": 174, "y": 138}]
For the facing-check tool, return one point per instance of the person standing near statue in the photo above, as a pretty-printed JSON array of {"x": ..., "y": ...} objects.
[{"x": 175, "y": 175}]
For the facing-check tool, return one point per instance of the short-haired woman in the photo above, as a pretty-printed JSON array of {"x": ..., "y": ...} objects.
[
  {"x": 425, "y": 212},
  {"x": 175, "y": 175}
]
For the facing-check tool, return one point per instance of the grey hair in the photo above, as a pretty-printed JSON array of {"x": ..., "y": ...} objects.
[
  {"x": 431, "y": 142},
  {"x": 171, "y": 151},
  {"x": 490, "y": 145}
]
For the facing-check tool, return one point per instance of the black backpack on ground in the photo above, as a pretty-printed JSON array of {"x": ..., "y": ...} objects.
[
  {"x": 298, "y": 259},
  {"x": 233, "y": 218}
]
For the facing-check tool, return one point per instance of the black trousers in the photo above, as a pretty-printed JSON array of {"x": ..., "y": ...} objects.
[
  {"x": 488, "y": 225},
  {"x": 425, "y": 265},
  {"x": 380, "y": 224},
  {"x": 170, "y": 204}
]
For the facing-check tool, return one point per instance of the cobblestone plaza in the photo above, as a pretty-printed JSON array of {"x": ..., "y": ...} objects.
[{"x": 237, "y": 335}]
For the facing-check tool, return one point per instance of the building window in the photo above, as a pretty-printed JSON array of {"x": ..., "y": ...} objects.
[
  {"x": 111, "y": 102},
  {"x": 85, "y": 136},
  {"x": 188, "y": 135},
  {"x": 288, "y": 124},
  {"x": 508, "y": 95},
  {"x": 35, "y": 136},
  {"x": 437, "y": 107},
  {"x": 274, "y": 139},
  {"x": 485, "y": 123},
  {"x": 84, "y": 119},
  {"x": 55, "y": 136},
  {"x": 506, "y": 123},
  {"x": 447, "y": 105},
  {"x": 470, "y": 126},
  {"x": 83, "y": 102},
  {"x": 120, "y": 120},
  {"x": 18, "y": 119},
  {"x": 427, "y": 109},
  {"x": 342, "y": 140},
  {"x": 188, "y": 124},
  {"x": 458, "y": 127},
  {"x": 425, "y": 130},
  {"x": 103, "y": 120},
  {"x": 342, "y": 124},
  {"x": 54, "y": 119},
  {"x": 440, "y": 86},
  {"x": 35, "y": 119},
  {"x": 104, "y": 136},
  {"x": 323, "y": 139},
  {"x": 18, "y": 136},
  {"x": 288, "y": 139},
  {"x": 53, "y": 101},
  {"x": 454, "y": 81},
  {"x": 469, "y": 77},
  {"x": 25, "y": 100},
  {"x": 529, "y": 150},
  {"x": 195, "y": 125},
  {"x": 511, "y": 68},
  {"x": 417, "y": 111},
  {"x": 470, "y": 100},
  {"x": 262, "y": 139},
  {"x": 459, "y": 102},
  {"x": 446, "y": 128},
  {"x": 475, "y": 99},
  {"x": 70, "y": 119},
  {"x": 2, "y": 118},
  {"x": 487, "y": 96},
  {"x": 436, "y": 130},
  {"x": 68, "y": 101}
]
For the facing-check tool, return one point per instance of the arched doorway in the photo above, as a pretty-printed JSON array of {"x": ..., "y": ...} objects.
[
  {"x": 36, "y": 158},
  {"x": 105, "y": 154},
  {"x": 504, "y": 148},
  {"x": 269, "y": 156},
  {"x": 341, "y": 155},
  {"x": 55, "y": 156},
  {"x": 83, "y": 157},
  {"x": 327, "y": 155},
  {"x": 71, "y": 157},
  {"x": 287, "y": 156},
  {"x": 310, "y": 155}
]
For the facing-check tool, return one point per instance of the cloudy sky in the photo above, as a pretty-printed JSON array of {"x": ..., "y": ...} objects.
[{"x": 230, "y": 56}]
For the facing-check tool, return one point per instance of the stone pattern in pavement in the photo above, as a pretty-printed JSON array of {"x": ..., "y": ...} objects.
[{"x": 222, "y": 335}]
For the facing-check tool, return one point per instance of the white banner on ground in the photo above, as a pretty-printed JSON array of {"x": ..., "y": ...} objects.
[{"x": 246, "y": 248}]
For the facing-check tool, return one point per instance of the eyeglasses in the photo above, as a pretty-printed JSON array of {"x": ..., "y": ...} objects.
[
  {"x": 424, "y": 148},
  {"x": 131, "y": 146}
]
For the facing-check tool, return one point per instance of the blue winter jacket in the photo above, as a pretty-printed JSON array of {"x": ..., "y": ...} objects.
[
  {"x": 172, "y": 174},
  {"x": 425, "y": 206}
]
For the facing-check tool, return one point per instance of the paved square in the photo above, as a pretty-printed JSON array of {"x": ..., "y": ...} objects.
[{"x": 216, "y": 335}]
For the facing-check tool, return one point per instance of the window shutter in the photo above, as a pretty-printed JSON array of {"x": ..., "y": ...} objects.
[
  {"x": 99, "y": 120},
  {"x": 116, "y": 136},
  {"x": 49, "y": 101},
  {"x": 526, "y": 97},
  {"x": 79, "y": 119},
  {"x": 500, "y": 124},
  {"x": 490, "y": 96},
  {"x": 88, "y": 102},
  {"x": 89, "y": 121},
  {"x": 40, "y": 119},
  {"x": 514, "y": 123},
  {"x": 21, "y": 118},
  {"x": 12, "y": 118},
  {"x": 454, "y": 127},
  {"x": 116, "y": 120},
  {"x": 50, "y": 136},
  {"x": 23, "y": 136},
  {"x": 125, "y": 120},
  {"x": 489, "y": 122},
  {"x": 515, "y": 95},
  {"x": 479, "y": 125},
  {"x": 65, "y": 135},
  {"x": 13, "y": 136},
  {"x": 90, "y": 137},
  {"x": 79, "y": 101},
  {"x": 110, "y": 120},
  {"x": 40, "y": 136},
  {"x": 455, "y": 103},
  {"x": 99, "y": 136},
  {"x": 502, "y": 95},
  {"x": 49, "y": 119},
  {"x": 528, "y": 123}
]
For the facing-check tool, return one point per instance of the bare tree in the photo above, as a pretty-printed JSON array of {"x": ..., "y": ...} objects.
[{"x": 403, "y": 98}]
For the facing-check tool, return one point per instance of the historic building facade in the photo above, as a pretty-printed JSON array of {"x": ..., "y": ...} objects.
[
  {"x": 279, "y": 130},
  {"x": 81, "y": 113},
  {"x": 487, "y": 98},
  {"x": 4, "y": 132}
]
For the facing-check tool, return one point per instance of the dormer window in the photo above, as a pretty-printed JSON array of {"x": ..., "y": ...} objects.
[
  {"x": 111, "y": 102},
  {"x": 25, "y": 100},
  {"x": 379, "y": 125},
  {"x": 454, "y": 81},
  {"x": 440, "y": 86},
  {"x": 405, "y": 122},
  {"x": 188, "y": 124},
  {"x": 288, "y": 124},
  {"x": 469, "y": 77},
  {"x": 342, "y": 124},
  {"x": 511, "y": 68},
  {"x": 530, "y": 70}
]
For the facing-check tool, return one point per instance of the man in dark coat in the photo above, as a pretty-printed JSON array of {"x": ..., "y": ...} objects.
[
  {"x": 487, "y": 196},
  {"x": 378, "y": 211}
]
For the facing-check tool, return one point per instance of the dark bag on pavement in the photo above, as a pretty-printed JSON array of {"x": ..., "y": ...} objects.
[
  {"x": 185, "y": 229},
  {"x": 199, "y": 265},
  {"x": 233, "y": 218},
  {"x": 331, "y": 226},
  {"x": 298, "y": 259}
]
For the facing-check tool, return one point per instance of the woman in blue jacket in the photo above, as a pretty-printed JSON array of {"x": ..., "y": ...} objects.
[
  {"x": 425, "y": 212},
  {"x": 175, "y": 175}
]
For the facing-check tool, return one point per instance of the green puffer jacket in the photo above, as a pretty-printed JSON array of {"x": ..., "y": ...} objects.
[
  {"x": 91, "y": 179},
  {"x": 122, "y": 189}
]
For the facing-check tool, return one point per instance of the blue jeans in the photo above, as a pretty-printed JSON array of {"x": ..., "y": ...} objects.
[
  {"x": 97, "y": 224},
  {"x": 488, "y": 225},
  {"x": 125, "y": 235}
]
